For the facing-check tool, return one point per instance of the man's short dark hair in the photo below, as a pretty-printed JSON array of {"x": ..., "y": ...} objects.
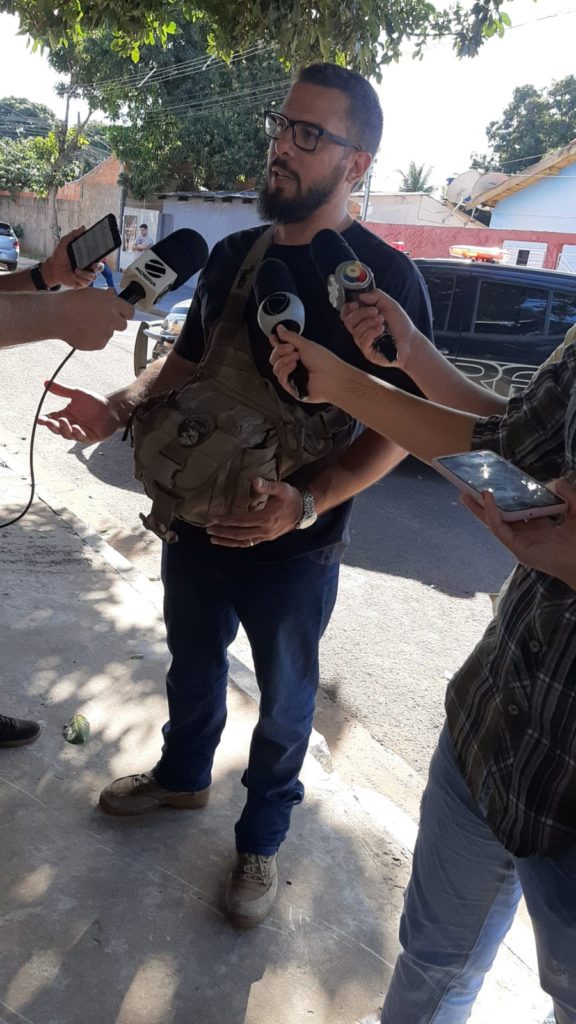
[
  {"x": 144, "y": 226},
  {"x": 364, "y": 110}
]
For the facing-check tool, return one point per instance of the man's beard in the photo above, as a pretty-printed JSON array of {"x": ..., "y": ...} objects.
[{"x": 301, "y": 205}]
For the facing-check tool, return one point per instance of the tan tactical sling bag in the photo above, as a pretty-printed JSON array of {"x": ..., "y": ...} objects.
[{"x": 197, "y": 450}]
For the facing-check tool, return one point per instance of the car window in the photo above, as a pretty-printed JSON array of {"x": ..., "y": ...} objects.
[
  {"x": 5, "y": 229},
  {"x": 563, "y": 312},
  {"x": 510, "y": 309},
  {"x": 441, "y": 290},
  {"x": 179, "y": 311}
]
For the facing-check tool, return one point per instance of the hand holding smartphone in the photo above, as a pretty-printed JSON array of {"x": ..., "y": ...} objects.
[
  {"x": 516, "y": 494},
  {"x": 102, "y": 238}
]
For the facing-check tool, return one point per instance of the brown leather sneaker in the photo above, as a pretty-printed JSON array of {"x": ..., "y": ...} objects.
[
  {"x": 137, "y": 794},
  {"x": 17, "y": 732},
  {"x": 251, "y": 889}
]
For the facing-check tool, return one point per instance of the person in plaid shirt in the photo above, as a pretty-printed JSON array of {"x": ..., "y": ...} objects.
[{"x": 498, "y": 816}]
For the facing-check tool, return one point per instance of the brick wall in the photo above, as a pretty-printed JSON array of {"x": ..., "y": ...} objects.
[
  {"x": 436, "y": 241},
  {"x": 83, "y": 201}
]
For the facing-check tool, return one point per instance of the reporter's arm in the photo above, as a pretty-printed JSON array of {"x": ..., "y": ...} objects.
[
  {"x": 20, "y": 281},
  {"x": 419, "y": 426},
  {"x": 436, "y": 377},
  {"x": 85, "y": 321},
  {"x": 25, "y": 318},
  {"x": 444, "y": 384},
  {"x": 55, "y": 270}
]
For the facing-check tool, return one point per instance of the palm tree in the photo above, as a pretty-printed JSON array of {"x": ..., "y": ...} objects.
[{"x": 416, "y": 178}]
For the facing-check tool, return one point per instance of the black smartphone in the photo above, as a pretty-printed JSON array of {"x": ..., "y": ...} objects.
[
  {"x": 102, "y": 238},
  {"x": 517, "y": 495}
]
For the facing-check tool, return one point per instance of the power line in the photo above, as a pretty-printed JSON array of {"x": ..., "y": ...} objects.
[
  {"x": 196, "y": 65},
  {"x": 218, "y": 101},
  {"x": 229, "y": 101}
]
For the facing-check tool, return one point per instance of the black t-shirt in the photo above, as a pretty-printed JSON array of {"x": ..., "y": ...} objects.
[{"x": 393, "y": 272}]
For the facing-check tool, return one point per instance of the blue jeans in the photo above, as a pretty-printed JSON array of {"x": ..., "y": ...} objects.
[
  {"x": 107, "y": 275},
  {"x": 284, "y": 608},
  {"x": 460, "y": 903}
]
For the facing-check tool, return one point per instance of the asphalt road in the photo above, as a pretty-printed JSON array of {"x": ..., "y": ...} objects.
[{"x": 413, "y": 597}]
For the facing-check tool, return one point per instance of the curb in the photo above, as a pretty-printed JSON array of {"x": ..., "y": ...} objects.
[{"x": 382, "y": 811}]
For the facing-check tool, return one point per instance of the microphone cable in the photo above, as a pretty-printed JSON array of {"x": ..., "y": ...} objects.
[{"x": 10, "y": 522}]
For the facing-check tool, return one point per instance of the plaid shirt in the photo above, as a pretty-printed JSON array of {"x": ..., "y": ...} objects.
[{"x": 512, "y": 706}]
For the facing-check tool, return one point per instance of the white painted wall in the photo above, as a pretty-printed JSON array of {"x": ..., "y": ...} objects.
[
  {"x": 414, "y": 208},
  {"x": 537, "y": 252},
  {"x": 567, "y": 259},
  {"x": 213, "y": 220}
]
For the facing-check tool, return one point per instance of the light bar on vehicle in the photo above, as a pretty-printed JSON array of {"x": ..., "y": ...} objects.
[{"x": 479, "y": 253}]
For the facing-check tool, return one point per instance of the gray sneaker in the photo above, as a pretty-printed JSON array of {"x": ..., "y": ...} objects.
[
  {"x": 137, "y": 794},
  {"x": 251, "y": 889}
]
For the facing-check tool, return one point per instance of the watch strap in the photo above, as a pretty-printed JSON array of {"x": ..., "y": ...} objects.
[
  {"x": 38, "y": 280},
  {"x": 309, "y": 515}
]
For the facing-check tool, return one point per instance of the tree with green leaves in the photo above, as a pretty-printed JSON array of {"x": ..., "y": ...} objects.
[
  {"x": 416, "y": 178},
  {"x": 181, "y": 120},
  {"x": 534, "y": 123},
  {"x": 364, "y": 35},
  {"x": 39, "y": 164},
  {"x": 21, "y": 118}
]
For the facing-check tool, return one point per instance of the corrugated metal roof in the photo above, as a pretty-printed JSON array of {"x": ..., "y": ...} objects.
[
  {"x": 545, "y": 168},
  {"x": 209, "y": 197}
]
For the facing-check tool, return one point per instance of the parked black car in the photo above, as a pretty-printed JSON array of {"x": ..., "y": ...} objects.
[{"x": 498, "y": 323}]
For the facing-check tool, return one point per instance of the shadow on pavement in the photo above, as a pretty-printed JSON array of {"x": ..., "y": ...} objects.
[
  {"x": 412, "y": 525},
  {"x": 120, "y": 921}
]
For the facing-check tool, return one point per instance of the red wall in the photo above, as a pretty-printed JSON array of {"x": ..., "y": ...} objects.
[{"x": 436, "y": 241}]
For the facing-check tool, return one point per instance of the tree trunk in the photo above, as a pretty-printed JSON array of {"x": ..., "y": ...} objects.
[{"x": 55, "y": 230}]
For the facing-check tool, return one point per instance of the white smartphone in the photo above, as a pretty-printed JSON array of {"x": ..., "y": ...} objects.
[{"x": 517, "y": 495}]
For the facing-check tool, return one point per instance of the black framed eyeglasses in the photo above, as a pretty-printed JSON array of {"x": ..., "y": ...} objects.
[{"x": 305, "y": 135}]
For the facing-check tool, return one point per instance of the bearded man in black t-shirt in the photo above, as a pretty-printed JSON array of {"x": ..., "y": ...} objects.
[{"x": 274, "y": 570}]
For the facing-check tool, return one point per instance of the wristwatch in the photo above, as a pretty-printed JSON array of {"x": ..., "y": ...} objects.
[
  {"x": 309, "y": 514},
  {"x": 39, "y": 282}
]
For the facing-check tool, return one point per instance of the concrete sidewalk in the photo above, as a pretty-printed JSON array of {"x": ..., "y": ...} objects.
[{"x": 111, "y": 921}]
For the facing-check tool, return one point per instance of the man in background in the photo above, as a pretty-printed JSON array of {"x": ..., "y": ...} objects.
[{"x": 143, "y": 240}]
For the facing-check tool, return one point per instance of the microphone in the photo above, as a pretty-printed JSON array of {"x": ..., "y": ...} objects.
[
  {"x": 163, "y": 267},
  {"x": 278, "y": 303},
  {"x": 346, "y": 277}
]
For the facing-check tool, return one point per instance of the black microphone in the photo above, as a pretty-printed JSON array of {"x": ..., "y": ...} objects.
[
  {"x": 163, "y": 267},
  {"x": 339, "y": 266},
  {"x": 278, "y": 303}
]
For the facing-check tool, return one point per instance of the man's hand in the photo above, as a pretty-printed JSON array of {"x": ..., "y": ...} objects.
[
  {"x": 545, "y": 544},
  {"x": 87, "y": 320},
  {"x": 323, "y": 367},
  {"x": 280, "y": 514},
  {"x": 56, "y": 268},
  {"x": 88, "y": 417},
  {"x": 373, "y": 313}
]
